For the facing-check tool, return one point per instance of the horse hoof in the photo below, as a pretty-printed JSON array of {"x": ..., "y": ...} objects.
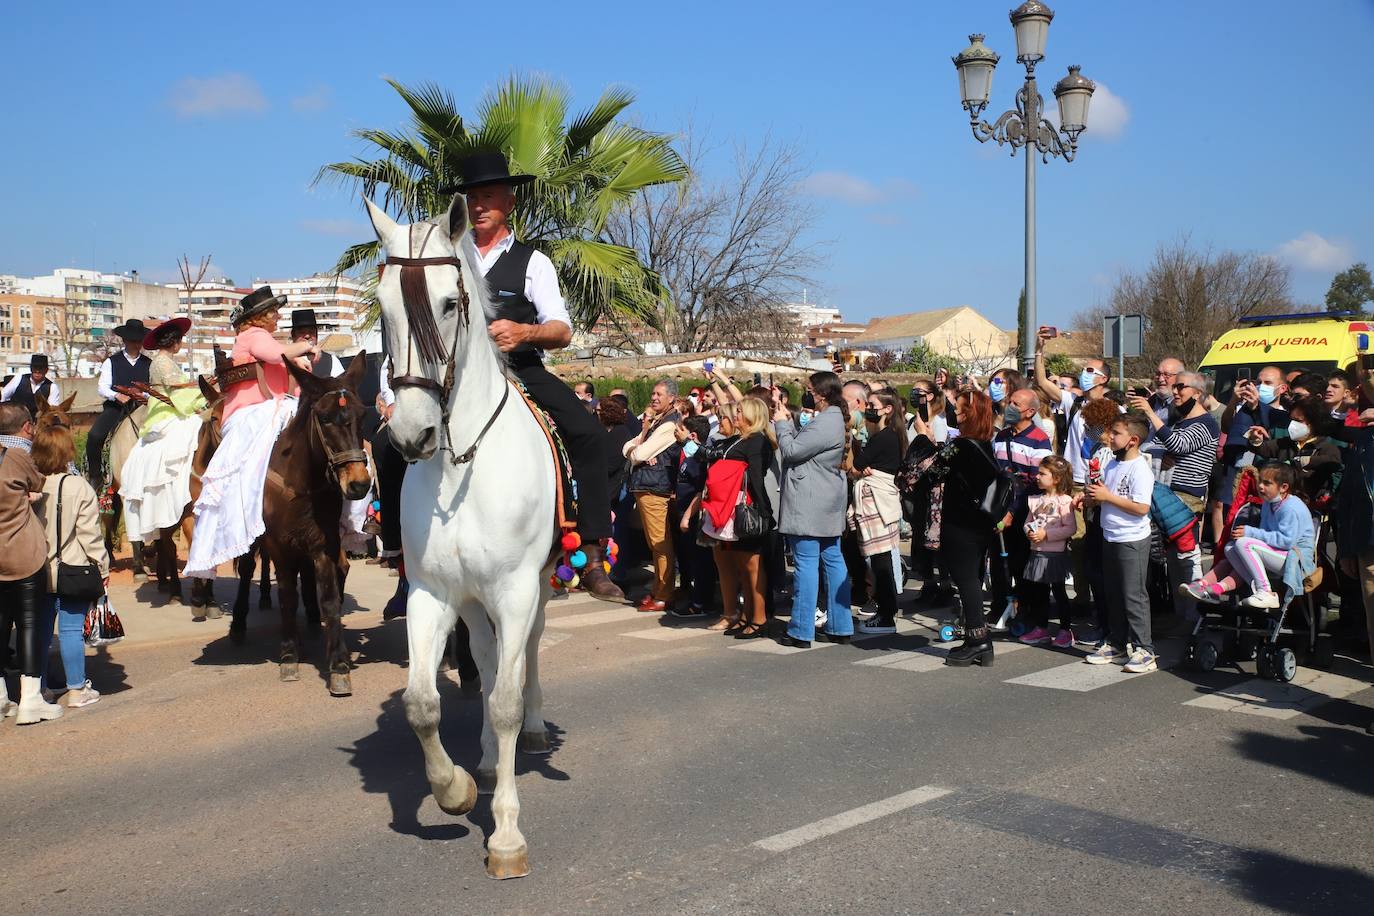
[
  {"x": 486, "y": 782},
  {"x": 533, "y": 742},
  {"x": 503, "y": 865},
  {"x": 290, "y": 671},
  {"x": 140, "y": 575},
  {"x": 238, "y": 636},
  {"x": 459, "y": 796},
  {"x": 212, "y": 611},
  {"x": 340, "y": 685}
]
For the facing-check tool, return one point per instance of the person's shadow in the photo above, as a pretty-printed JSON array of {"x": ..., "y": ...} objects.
[{"x": 389, "y": 761}]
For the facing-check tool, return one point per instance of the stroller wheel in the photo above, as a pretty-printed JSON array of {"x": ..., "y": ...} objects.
[
  {"x": 947, "y": 632},
  {"x": 1017, "y": 628},
  {"x": 1285, "y": 664},
  {"x": 1205, "y": 655}
]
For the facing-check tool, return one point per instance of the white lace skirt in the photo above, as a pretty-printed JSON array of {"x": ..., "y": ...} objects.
[
  {"x": 229, "y": 511},
  {"x": 155, "y": 482}
]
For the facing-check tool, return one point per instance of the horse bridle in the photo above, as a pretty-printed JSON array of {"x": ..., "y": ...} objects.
[
  {"x": 335, "y": 459},
  {"x": 419, "y": 311}
]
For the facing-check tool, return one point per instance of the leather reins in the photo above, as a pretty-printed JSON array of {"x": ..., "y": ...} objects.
[
  {"x": 422, "y": 332},
  {"x": 335, "y": 459}
]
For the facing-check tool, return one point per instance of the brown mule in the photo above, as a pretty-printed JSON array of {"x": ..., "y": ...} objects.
[{"x": 317, "y": 463}]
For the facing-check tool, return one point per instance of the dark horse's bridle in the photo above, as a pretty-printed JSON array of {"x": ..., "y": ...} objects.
[
  {"x": 423, "y": 334},
  {"x": 335, "y": 459}
]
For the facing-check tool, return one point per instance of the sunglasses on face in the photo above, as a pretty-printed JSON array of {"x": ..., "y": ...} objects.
[{"x": 1180, "y": 388}]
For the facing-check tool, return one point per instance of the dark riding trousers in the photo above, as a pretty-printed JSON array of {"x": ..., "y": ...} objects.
[{"x": 122, "y": 375}]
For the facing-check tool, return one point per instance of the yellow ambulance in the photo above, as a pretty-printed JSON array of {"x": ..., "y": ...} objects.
[{"x": 1317, "y": 342}]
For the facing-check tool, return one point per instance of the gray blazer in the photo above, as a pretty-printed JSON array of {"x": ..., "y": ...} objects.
[{"x": 814, "y": 494}]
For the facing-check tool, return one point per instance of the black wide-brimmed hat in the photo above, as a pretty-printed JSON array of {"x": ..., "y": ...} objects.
[
  {"x": 38, "y": 362},
  {"x": 161, "y": 335},
  {"x": 483, "y": 169},
  {"x": 302, "y": 319},
  {"x": 258, "y": 301},
  {"x": 131, "y": 329}
]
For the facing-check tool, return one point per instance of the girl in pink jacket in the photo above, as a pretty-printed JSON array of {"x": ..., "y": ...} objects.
[{"x": 1050, "y": 524}]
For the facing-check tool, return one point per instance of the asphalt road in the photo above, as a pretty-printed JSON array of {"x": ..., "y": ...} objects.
[{"x": 690, "y": 774}]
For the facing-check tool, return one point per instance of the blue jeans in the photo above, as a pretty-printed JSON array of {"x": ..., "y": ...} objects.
[
  {"x": 71, "y": 641},
  {"x": 809, "y": 555}
]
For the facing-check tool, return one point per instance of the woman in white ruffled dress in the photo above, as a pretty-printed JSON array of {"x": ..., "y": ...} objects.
[
  {"x": 229, "y": 510},
  {"x": 155, "y": 482}
]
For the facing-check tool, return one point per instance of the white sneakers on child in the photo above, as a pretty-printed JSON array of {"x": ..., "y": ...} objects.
[
  {"x": 1262, "y": 599},
  {"x": 1141, "y": 662}
]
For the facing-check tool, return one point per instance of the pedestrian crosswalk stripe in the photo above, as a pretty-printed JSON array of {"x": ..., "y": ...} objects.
[
  {"x": 671, "y": 634},
  {"x": 769, "y": 647},
  {"x": 595, "y": 618},
  {"x": 1075, "y": 676},
  {"x": 1276, "y": 700}
]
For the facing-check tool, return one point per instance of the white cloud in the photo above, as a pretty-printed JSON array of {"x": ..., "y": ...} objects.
[
  {"x": 317, "y": 99},
  {"x": 1107, "y": 114},
  {"x": 228, "y": 93},
  {"x": 1311, "y": 251},
  {"x": 853, "y": 189},
  {"x": 342, "y": 227}
]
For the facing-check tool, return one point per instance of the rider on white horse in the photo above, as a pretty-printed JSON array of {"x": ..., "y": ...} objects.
[
  {"x": 531, "y": 317},
  {"x": 256, "y": 410},
  {"x": 155, "y": 482}
]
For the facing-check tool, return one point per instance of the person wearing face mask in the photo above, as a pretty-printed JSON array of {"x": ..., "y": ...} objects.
[
  {"x": 1002, "y": 384},
  {"x": 696, "y": 563},
  {"x": 1308, "y": 447},
  {"x": 1190, "y": 447},
  {"x": 1018, "y": 448},
  {"x": 1093, "y": 380},
  {"x": 876, "y": 509}
]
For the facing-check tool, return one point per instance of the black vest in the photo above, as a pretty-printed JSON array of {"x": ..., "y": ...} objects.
[
  {"x": 123, "y": 375},
  {"x": 26, "y": 394},
  {"x": 506, "y": 282},
  {"x": 324, "y": 368}
]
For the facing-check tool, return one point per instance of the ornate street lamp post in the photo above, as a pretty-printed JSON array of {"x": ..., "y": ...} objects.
[{"x": 1025, "y": 125}]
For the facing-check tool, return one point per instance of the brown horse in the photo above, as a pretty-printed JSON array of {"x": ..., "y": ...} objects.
[
  {"x": 317, "y": 463},
  {"x": 52, "y": 430}
]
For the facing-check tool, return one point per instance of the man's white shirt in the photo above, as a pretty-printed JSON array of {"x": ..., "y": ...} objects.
[{"x": 541, "y": 281}]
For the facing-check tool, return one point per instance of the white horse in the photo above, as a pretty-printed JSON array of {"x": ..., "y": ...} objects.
[{"x": 477, "y": 512}]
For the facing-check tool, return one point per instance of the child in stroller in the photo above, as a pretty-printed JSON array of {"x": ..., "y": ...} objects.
[{"x": 1254, "y": 554}]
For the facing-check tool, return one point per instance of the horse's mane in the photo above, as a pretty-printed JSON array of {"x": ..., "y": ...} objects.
[{"x": 479, "y": 295}]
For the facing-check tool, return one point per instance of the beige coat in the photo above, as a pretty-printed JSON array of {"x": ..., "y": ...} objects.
[{"x": 81, "y": 538}]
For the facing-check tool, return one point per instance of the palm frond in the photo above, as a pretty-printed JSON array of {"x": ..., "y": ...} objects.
[{"x": 594, "y": 120}]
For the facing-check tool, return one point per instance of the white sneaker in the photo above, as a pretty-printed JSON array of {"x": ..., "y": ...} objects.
[
  {"x": 821, "y": 618},
  {"x": 8, "y": 707},
  {"x": 1102, "y": 655},
  {"x": 1265, "y": 599},
  {"x": 1141, "y": 662},
  {"x": 84, "y": 695}
]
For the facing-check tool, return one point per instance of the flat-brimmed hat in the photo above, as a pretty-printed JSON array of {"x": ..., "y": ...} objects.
[
  {"x": 302, "y": 319},
  {"x": 131, "y": 329},
  {"x": 162, "y": 331},
  {"x": 483, "y": 169},
  {"x": 38, "y": 362},
  {"x": 258, "y": 301}
]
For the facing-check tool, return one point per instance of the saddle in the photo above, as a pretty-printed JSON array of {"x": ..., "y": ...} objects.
[{"x": 565, "y": 506}]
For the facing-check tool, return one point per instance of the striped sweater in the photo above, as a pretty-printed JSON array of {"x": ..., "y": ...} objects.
[
  {"x": 1021, "y": 454},
  {"x": 1192, "y": 446}
]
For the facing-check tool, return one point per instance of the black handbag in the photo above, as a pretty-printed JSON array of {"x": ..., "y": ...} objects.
[
  {"x": 750, "y": 522},
  {"x": 75, "y": 583}
]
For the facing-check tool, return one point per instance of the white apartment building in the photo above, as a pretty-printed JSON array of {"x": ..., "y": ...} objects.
[
  {"x": 96, "y": 301},
  {"x": 337, "y": 301}
]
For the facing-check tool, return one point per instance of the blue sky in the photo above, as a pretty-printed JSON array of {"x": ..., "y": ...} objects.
[{"x": 134, "y": 132}]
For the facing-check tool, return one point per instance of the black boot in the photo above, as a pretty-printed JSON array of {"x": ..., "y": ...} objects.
[{"x": 976, "y": 650}]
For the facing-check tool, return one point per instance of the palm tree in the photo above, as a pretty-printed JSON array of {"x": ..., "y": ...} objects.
[{"x": 585, "y": 169}]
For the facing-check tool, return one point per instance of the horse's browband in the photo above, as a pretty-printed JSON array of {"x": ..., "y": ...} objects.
[{"x": 422, "y": 262}]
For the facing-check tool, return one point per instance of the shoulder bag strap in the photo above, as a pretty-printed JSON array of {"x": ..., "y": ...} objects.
[{"x": 57, "y": 533}]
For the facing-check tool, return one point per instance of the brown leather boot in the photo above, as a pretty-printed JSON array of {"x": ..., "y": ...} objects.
[{"x": 594, "y": 578}]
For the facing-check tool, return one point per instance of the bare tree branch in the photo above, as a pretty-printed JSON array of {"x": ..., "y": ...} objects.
[{"x": 730, "y": 255}]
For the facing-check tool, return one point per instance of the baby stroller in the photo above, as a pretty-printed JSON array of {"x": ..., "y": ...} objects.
[{"x": 1232, "y": 631}]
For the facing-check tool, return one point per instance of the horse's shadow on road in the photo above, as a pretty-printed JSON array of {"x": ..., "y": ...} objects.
[{"x": 390, "y": 761}]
